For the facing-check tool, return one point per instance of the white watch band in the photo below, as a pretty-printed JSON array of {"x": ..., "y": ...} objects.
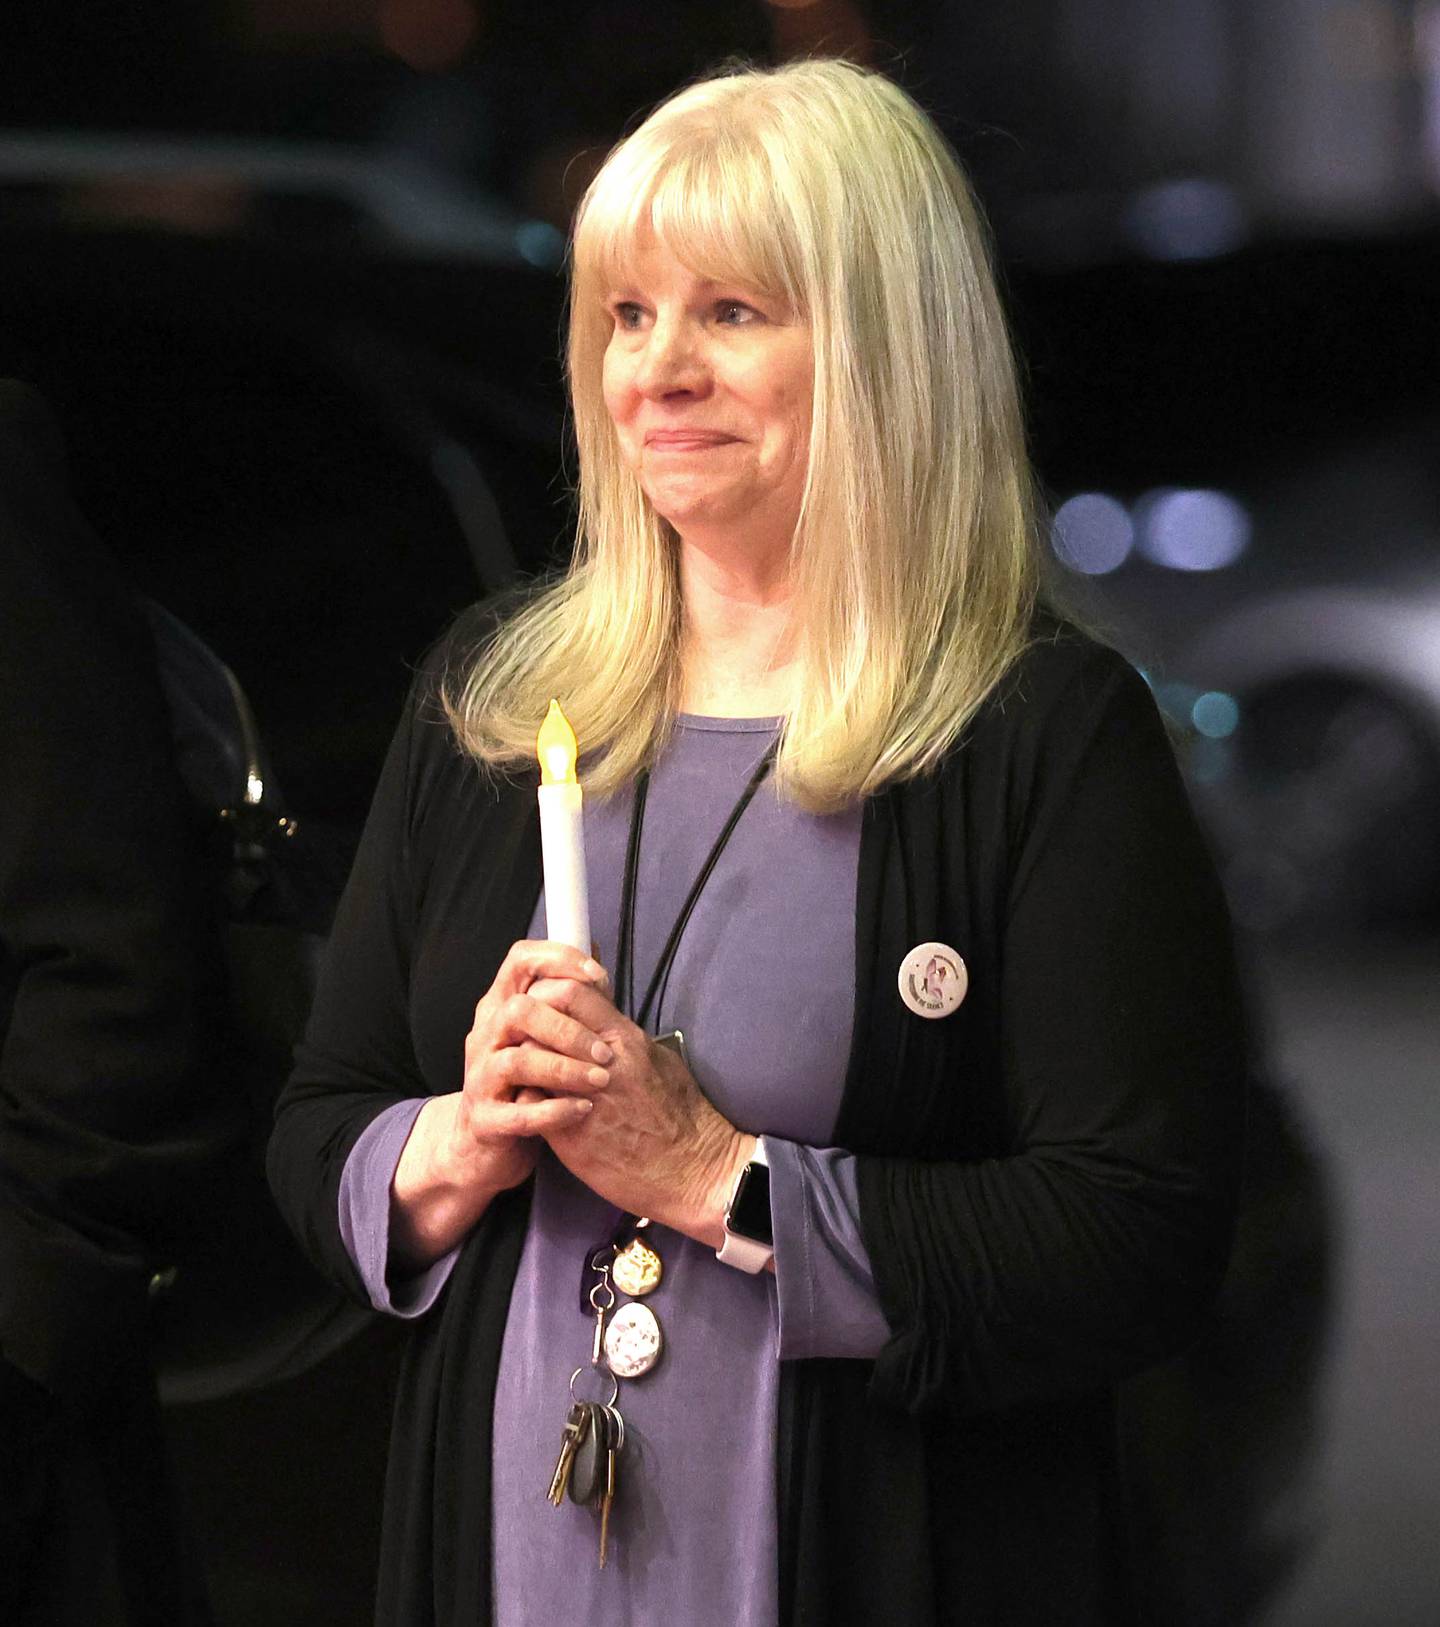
[{"x": 745, "y": 1253}]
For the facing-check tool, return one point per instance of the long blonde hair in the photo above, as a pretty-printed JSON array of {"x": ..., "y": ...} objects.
[{"x": 915, "y": 561}]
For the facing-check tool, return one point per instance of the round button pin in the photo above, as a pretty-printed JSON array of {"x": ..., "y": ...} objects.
[{"x": 933, "y": 980}]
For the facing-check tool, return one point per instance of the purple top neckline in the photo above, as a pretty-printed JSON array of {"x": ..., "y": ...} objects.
[{"x": 728, "y": 725}]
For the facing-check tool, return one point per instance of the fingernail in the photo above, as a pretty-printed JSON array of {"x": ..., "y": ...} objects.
[
  {"x": 602, "y": 1052},
  {"x": 583, "y": 1105},
  {"x": 593, "y": 968},
  {"x": 598, "y": 1077}
]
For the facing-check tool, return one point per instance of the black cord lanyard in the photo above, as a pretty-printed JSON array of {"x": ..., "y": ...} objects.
[
  {"x": 625, "y": 950},
  {"x": 629, "y": 1226}
]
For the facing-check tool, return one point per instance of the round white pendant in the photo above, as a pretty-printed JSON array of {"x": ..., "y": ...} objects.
[
  {"x": 933, "y": 980},
  {"x": 633, "y": 1341}
]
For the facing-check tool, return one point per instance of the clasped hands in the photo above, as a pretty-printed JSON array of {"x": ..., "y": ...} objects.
[{"x": 549, "y": 1056}]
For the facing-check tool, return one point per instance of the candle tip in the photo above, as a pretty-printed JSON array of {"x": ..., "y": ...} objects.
[{"x": 556, "y": 748}]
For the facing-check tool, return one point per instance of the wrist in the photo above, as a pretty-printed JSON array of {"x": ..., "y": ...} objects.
[
  {"x": 440, "y": 1188},
  {"x": 743, "y": 1150},
  {"x": 748, "y": 1238},
  {"x": 702, "y": 1213}
]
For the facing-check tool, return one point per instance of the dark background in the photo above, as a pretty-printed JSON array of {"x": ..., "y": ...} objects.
[{"x": 290, "y": 273}]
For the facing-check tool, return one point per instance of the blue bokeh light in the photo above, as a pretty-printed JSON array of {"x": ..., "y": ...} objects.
[
  {"x": 1215, "y": 714},
  {"x": 1191, "y": 530},
  {"x": 540, "y": 243},
  {"x": 1092, "y": 534}
]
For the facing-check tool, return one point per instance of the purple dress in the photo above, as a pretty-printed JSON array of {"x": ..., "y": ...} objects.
[{"x": 763, "y": 988}]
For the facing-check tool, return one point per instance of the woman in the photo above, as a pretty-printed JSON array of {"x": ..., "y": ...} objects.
[{"x": 829, "y": 741}]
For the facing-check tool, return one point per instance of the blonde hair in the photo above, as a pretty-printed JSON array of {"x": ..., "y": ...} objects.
[{"x": 914, "y": 562}]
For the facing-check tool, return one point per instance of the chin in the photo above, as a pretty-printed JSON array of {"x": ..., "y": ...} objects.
[{"x": 682, "y": 508}]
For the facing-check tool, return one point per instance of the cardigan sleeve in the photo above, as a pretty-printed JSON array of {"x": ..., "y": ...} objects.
[
  {"x": 356, "y": 1058},
  {"x": 1094, "y": 1245}
]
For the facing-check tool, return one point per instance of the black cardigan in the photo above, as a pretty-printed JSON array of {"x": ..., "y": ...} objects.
[{"x": 1047, "y": 1177}]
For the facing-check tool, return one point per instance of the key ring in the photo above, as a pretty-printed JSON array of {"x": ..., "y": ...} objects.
[
  {"x": 614, "y": 1386},
  {"x": 614, "y": 1412}
]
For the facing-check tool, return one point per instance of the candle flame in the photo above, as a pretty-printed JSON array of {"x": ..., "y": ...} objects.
[{"x": 557, "y": 748}]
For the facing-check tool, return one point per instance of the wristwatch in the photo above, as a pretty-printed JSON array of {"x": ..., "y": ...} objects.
[{"x": 749, "y": 1238}]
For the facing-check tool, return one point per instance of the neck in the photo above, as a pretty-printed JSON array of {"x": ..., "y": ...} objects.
[{"x": 738, "y": 658}]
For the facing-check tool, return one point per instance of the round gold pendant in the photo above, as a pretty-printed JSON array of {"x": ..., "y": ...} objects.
[{"x": 637, "y": 1269}]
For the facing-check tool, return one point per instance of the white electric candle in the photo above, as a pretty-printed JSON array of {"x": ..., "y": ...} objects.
[{"x": 562, "y": 833}]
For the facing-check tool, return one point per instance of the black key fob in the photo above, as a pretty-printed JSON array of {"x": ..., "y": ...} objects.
[{"x": 587, "y": 1473}]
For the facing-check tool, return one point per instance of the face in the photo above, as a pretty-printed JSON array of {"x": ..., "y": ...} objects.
[{"x": 709, "y": 386}]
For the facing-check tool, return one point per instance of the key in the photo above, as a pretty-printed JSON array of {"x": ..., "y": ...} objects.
[
  {"x": 614, "y": 1440},
  {"x": 577, "y": 1427}
]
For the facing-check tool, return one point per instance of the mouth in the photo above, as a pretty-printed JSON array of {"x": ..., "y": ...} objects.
[{"x": 686, "y": 440}]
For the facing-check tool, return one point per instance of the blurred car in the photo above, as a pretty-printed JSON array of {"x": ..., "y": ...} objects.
[
  {"x": 313, "y": 403},
  {"x": 1315, "y": 755},
  {"x": 1244, "y": 456}
]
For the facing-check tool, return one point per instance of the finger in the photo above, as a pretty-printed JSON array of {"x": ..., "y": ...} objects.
[
  {"x": 545, "y": 1116},
  {"x": 589, "y": 1005},
  {"x": 534, "y": 958},
  {"x": 525, "y": 1017},
  {"x": 525, "y": 962},
  {"x": 516, "y": 1066}
]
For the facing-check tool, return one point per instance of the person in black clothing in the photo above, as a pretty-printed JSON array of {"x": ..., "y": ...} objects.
[{"x": 110, "y": 1108}]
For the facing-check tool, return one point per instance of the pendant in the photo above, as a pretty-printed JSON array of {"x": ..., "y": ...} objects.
[
  {"x": 633, "y": 1341},
  {"x": 637, "y": 1269}
]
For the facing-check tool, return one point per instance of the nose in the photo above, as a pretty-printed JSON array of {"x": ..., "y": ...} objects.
[{"x": 671, "y": 362}]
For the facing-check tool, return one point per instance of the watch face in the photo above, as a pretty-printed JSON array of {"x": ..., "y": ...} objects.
[{"x": 750, "y": 1211}]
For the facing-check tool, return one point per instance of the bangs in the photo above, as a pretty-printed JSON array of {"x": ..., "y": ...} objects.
[{"x": 714, "y": 204}]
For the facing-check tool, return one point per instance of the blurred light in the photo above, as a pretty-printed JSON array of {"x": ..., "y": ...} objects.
[
  {"x": 1215, "y": 714},
  {"x": 1186, "y": 220},
  {"x": 1092, "y": 534},
  {"x": 1191, "y": 530},
  {"x": 540, "y": 243}
]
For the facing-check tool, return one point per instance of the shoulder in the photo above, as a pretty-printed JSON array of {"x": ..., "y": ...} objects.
[
  {"x": 439, "y": 771},
  {"x": 1059, "y": 692},
  {"x": 466, "y": 639},
  {"x": 1070, "y": 723},
  {"x": 470, "y": 636},
  {"x": 1063, "y": 669}
]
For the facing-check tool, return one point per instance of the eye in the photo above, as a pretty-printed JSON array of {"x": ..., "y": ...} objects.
[
  {"x": 735, "y": 312},
  {"x": 627, "y": 315}
]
